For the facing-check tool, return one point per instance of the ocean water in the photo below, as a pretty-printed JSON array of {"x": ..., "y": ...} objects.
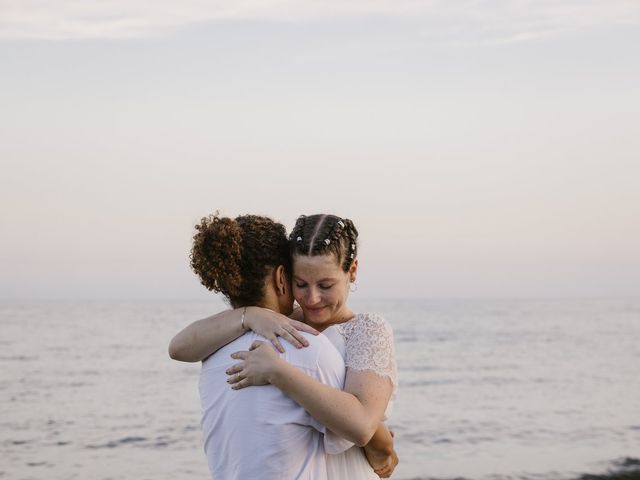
[{"x": 488, "y": 389}]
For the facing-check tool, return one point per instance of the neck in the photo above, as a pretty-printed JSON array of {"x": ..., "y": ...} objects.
[{"x": 269, "y": 304}]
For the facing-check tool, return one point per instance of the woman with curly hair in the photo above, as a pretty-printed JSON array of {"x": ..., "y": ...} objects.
[
  {"x": 257, "y": 433},
  {"x": 324, "y": 256}
]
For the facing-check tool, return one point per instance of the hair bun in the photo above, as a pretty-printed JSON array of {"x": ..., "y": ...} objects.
[{"x": 217, "y": 253}]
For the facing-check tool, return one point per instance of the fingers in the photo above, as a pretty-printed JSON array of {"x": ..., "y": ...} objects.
[
  {"x": 234, "y": 379},
  {"x": 276, "y": 343},
  {"x": 303, "y": 327},
  {"x": 292, "y": 336},
  {"x": 242, "y": 355},
  {"x": 238, "y": 367},
  {"x": 390, "y": 465},
  {"x": 384, "y": 472},
  {"x": 241, "y": 384},
  {"x": 298, "y": 339},
  {"x": 274, "y": 340},
  {"x": 388, "y": 470}
]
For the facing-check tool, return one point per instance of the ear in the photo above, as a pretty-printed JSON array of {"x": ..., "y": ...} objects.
[
  {"x": 353, "y": 270},
  {"x": 280, "y": 280}
]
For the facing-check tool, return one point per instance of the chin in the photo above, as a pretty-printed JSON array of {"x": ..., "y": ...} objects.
[{"x": 319, "y": 316}]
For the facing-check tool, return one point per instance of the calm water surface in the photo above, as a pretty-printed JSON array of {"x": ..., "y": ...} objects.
[{"x": 539, "y": 389}]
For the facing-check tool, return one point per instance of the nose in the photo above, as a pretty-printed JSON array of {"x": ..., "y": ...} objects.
[{"x": 313, "y": 297}]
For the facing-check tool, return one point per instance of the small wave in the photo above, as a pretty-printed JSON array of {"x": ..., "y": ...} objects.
[
  {"x": 423, "y": 368},
  {"x": 118, "y": 443},
  {"x": 428, "y": 383},
  {"x": 162, "y": 441},
  {"x": 407, "y": 339},
  {"x": 443, "y": 440},
  {"x": 18, "y": 358}
]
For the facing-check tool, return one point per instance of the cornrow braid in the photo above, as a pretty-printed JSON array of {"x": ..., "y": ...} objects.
[
  {"x": 298, "y": 230},
  {"x": 351, "y": 234},
  {"x": 322, "y": 234}
]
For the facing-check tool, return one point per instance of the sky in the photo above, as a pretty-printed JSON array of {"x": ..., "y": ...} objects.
[{"x": 482, "y": 148}]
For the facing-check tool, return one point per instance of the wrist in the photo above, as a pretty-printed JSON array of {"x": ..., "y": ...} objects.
[
  {"x": 251, "y": 315},
  {"x": 243, "y": 320},
  {"x": 245, "y": 313},
  {"x": 277, "y": 373}
]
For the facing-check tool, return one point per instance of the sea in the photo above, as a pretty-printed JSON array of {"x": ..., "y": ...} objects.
[{"x": 488, "y": 389}]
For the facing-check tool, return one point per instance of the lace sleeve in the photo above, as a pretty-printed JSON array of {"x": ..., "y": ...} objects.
[{"x": 369, "y": 346}]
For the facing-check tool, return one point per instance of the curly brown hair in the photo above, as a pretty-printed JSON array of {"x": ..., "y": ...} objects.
[
  {"x": 233, "y": 256},
  {"x": 321, "y": 234}
]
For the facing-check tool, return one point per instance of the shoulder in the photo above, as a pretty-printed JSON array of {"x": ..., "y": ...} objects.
[
  {"x": 369, "y": 345},
  {"x": 367, "y": 323},
  {"x": 320, "y": 350},
  {"x": 366, "y": 332},
  {"x": 321, "y": 360}
]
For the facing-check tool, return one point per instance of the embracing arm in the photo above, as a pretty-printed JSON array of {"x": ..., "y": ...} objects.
[
  {"x": 353, "y": 414},
  {"x": 204, "y": 337},
  {"x": 356, "y": 412}
]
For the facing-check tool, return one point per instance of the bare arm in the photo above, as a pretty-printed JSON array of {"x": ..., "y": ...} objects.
[
  {"x": 354, "y": 413},
  {"x": 204, "y": 337}
]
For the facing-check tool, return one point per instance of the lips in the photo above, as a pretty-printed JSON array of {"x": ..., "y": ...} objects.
[{"x": 315, "y": 310}]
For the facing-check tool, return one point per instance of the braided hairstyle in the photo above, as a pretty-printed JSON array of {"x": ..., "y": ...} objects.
[
  {"x": 233, "y": 256},
  {"x": 322, "y": 234}
]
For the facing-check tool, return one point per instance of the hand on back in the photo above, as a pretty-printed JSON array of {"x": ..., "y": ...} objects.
[
  {"x": 272, "y": 325},
  {"x": 257, "y": 365}
]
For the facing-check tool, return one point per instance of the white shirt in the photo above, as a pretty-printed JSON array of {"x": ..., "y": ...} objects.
[{"x": 260, "y": 433}]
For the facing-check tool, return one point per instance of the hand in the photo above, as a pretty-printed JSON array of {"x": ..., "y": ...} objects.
[
  {"x": 258, "y": 364},
  {"x": 381, "y": 456},
  {"x": 272, "y": 325},
  {"x": 386, "y": 470}
]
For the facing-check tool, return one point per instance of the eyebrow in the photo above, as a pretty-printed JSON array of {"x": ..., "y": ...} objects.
[{"x": 295, "y": 277}]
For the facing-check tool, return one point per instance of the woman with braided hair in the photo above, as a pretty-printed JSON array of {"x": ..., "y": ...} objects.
[{"x": 324, "y": 259}]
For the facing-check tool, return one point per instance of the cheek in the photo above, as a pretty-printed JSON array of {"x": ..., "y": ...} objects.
[
  {"x": 297, "y": 292},
  {"x": 335, "y": 297},
  {"x": 341, "y": 296}
]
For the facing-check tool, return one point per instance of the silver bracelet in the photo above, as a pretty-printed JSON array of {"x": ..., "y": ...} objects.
[{"x": 244, "y": 311}]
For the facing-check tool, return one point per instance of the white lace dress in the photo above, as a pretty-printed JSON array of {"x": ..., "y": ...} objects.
[{"x": 366, "y": 343}]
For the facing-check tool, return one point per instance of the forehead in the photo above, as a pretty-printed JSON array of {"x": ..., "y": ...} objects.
[{"x": 316, "y": 267}]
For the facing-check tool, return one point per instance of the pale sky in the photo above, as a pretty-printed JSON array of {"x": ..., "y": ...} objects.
[{"x": 483, "y": 148}]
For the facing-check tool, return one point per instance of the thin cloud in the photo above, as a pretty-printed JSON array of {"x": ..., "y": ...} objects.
[{"x": 485, "y": 20}]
